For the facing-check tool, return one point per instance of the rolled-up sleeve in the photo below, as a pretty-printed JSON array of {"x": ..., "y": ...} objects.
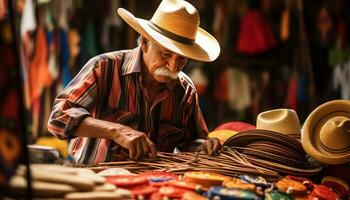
[{"x": 75, "y": 102}]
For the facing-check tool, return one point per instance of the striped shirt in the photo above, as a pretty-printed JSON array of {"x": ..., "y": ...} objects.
[{"x": 109, "y": 87}]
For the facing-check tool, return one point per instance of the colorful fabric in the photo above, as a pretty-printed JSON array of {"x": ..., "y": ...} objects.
[
  {"x": 39, "y": 75},
  {"x": 10, "y": 111},
  {"x": 64, "y": 58},
  {"x": 109, "y": 87}
]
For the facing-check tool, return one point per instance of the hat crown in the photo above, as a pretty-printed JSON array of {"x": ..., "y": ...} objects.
[
  {"x": 177, "y": 17},
  {"x": 335, "y": 134},
  {"x": 284, "y": 121}
]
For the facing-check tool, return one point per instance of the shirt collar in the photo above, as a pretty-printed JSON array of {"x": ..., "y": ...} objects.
[{"x": 132, "y": 61}]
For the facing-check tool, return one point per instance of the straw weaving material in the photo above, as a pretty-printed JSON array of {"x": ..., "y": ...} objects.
[{"x": 229, "y": 162}]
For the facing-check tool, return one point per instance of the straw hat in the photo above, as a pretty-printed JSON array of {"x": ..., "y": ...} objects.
[
  {"x": 283, "y": 121},
  {"x": 272, "y": 144},
  {"x": 175, "y": 26},
  {"x": 326, "y": 132}
]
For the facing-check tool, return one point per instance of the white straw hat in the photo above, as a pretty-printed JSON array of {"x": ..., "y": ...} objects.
[{"x": 283, "y": 121}]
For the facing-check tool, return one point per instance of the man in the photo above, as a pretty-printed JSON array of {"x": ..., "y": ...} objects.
[{"x": 139, "y": 100}]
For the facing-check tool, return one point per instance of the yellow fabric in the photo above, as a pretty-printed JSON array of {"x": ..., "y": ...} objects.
[
  {"x": 222, "y": 135},
  {"x": 60, "y": 145}
]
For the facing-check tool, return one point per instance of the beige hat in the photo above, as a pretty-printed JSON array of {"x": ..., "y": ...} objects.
[
  {"x": 326, "y": 132},
  {"x": 175, "y": 26},
  {"x": 283, "y": 121}
]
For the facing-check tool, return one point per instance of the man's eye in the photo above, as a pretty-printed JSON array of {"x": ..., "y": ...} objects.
[
  {"x": 165, "y": 54},
  {"x": 182, "y": 59}
]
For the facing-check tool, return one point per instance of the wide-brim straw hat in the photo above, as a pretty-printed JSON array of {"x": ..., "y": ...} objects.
[
  {"x": 285, "y": 121},
  {"x": 175, "y": 26},
  {"x": 326, "y": 132}
]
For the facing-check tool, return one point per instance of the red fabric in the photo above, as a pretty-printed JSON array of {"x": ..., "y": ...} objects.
[
  {"x": 341, "y": 33},
  {"x": 11, "y": 110},
  {"x": 235, "y": 126},
  {"x": 255, "y": 35},
  {"x": 39, "y": 75},
  {"x": 222, "y": 86}
]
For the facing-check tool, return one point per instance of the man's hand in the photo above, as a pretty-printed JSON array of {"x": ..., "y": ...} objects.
[
  {"x": 138, "y": 144},
  {"x": 210, "y": 146}
]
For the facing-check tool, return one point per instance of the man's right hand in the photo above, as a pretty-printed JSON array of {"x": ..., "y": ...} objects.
[{"x": 138, "y": 144}]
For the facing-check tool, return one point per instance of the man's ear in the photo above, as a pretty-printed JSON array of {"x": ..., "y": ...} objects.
[{"x": 144, "y": 44}]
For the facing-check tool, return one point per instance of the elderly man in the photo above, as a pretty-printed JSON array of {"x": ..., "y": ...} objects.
[{"x": 136, "y": 102}]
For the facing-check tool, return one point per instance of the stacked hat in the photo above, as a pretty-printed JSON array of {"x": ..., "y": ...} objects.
[{"x": 273, "y": 144}]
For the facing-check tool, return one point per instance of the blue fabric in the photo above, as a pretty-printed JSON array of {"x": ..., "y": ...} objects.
[
  {"x": 303, "y": 84},
  {"x": 64, "y": 58}
]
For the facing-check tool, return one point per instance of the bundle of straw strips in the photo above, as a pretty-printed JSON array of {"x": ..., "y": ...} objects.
[{"x": 229, "y": 162}]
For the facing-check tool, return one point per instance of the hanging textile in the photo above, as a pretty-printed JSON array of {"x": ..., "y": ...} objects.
[
  {"x": 199, "y": 79},
  {"x": 255, "y": 34},
  {"x": 285, "y": 21},
  {"x": 88, "y": 47},
  {"x": 112, "y": 25},
  {"x": 292, "y": 90},
  {"x": 28, "y": 22},
  {"x": 239, "y": 92},
  {"x": 39, "y": 75},
  {"x": 221, "y": 86},
  {"x": 220, "y": 21},
  {"x": 324, "y": 25},
  {"x": 64, "y": 58},
  {"x": 10, "y": 105},
  {"x": 341, "y": 79}
]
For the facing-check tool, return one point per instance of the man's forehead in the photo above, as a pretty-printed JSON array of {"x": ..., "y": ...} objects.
[{"x": 162, "y": 48}]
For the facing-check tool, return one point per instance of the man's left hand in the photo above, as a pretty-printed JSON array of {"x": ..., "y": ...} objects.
[{"x": 210, "y": 146}]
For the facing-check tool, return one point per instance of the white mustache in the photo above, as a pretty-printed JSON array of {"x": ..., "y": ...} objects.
[{"x": 163, "y": 71}]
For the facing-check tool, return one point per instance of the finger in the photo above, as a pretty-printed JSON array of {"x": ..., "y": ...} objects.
[
  {"x": 139, "y": 150},
  {"x": 217, "y": 146},
  {"x": 132, "y": 151},
  {"x": 209, "y": 147},
  {"x": 145, "y": 148},
  {"x": 152, "y": 148}
]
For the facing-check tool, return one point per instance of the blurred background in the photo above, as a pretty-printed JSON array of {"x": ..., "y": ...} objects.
[{"x": 274, "y": 54}]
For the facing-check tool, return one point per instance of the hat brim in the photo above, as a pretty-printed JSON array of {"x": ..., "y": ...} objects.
[
  {"x": 206, "y": 48},
  {"x": 244, "y": 138},
  {"x": 294, "y": 165},
  {"x": 310, "y": 136}
]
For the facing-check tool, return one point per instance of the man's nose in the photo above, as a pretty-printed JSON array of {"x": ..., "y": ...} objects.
[{"x": 173, "y": 63}]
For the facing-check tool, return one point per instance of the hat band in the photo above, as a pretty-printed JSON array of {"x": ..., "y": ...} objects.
[
  {"x": 171, "y": 35},
  {"x": 335, "y": 150}
]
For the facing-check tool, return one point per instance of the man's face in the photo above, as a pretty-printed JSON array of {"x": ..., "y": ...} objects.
[{"x": 163, "y": 65}]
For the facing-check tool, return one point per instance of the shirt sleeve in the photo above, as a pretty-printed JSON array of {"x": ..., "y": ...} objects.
[{"x": 75, "y": 102}]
